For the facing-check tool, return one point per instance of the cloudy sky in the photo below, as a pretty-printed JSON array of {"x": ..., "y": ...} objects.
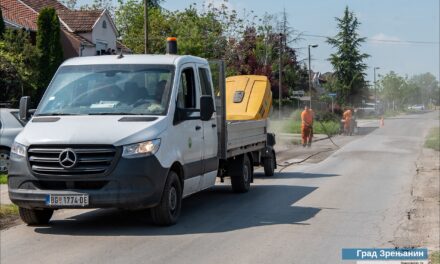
[{"x": 403, "y": 35}]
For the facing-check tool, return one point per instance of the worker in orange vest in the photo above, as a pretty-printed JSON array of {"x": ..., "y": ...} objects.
[
  {"x": 307, "y": 126},
  {"x": 346, "y": 116}
]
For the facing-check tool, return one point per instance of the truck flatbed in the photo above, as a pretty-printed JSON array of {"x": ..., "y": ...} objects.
[{"x": 236, "y": 137}]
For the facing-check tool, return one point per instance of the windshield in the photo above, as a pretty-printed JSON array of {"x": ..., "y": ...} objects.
[{"x": 109, "y": 90}]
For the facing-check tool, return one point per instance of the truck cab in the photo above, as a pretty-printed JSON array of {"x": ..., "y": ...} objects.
[{"x": 118, "y": 131}]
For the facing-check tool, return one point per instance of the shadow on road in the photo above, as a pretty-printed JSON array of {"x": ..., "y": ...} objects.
[
  {"x": 293, "y": 175},
  {"x": 362, "y": 131},
  {"x": 212, "y": 211}
]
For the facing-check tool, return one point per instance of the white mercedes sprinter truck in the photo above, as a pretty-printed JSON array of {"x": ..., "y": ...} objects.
[{"x": 133, "y": 131}]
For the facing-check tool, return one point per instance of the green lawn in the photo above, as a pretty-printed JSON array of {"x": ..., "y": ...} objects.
[
  {"x": 8, "y": 210},
  {"x": 331, "y": 127},
  {"x": 435, "y": 257},
  {"x": 8, "y": 215},
  {"x": 3, "y": 179},
  {"x": 294, "y": 127},
  {"x": 433, "y": 139}
]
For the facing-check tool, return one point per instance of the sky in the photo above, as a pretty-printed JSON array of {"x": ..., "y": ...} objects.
[{"x": 403, "y": 35}]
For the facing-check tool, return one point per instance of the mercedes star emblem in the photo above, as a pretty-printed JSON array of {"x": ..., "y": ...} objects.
[{"x": 67, "y": 158}]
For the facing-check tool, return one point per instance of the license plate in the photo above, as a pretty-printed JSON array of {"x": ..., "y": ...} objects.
[{"x": 67, "y": 200}]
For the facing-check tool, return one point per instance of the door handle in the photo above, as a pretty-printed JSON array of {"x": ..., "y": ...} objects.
[
  {"x": 213, "y": 125},
  {"x": 198, "y": 127}
]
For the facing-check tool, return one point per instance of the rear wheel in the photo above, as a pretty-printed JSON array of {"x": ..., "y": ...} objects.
[
  {"x": 168, "y": 210},
  {"x": 269, "y": 164},
  {"x": 4, "y": 160},
  {"x": 241, "y": 182},
  {"x": 34, "y": 216}
]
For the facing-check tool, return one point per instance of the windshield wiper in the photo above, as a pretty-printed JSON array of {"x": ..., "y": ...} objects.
[{"x": 55, "y": 114}]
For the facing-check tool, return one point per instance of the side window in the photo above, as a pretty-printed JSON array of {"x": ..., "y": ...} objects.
[
  {"x": 205, "y": 82},
  {"x": 186, "y": 96}
]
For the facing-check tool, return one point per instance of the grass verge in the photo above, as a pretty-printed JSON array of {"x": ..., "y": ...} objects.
[
  {"x": 3, "y": 179},
  {"x": 8, "y": 215},
  {"x": 330, "y": 127},
  {"x": 433, "y": 139},
  {"x": 294, "y": 127},
  {"x": 434, "y": 258}
]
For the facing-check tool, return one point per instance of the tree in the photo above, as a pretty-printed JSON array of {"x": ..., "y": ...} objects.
[
  {"x": 48, "y": 43},
  {"x": 198, "y": 34},
  {"x": 429, "y": 88},
  {"x": 19, "y": 65},
  {"x": 2, "y": 24},
  {"x": 395, "y": 91},
  {"x": 348, "y": 61},
  {"x": 71, "y": 4},
  {"x": 217, "y": 32},
  {"x": 10, "y": 83}
]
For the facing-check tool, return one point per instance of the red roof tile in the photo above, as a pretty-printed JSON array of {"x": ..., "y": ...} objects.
[
  {"x": 81, "y": 39},
  {"x": 80, "y": 20},
  {"x": 18, "y": 13},
  {"x": 37, "y": 5}
]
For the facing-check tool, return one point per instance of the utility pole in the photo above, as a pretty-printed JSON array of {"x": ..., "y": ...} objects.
[
  {"x": 375, "y": 87},
  {"x": 279, "y": 76},
  {"x": 146, "y": 26},
  {"x": 310, "y": 76}
]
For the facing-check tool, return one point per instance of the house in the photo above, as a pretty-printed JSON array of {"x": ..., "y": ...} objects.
[
  {"x": 318, "y": 81},
  {"x": 83, "y": 32}
]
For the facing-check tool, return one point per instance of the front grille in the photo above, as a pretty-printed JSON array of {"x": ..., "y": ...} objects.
[{"x": 89, "y": 159}]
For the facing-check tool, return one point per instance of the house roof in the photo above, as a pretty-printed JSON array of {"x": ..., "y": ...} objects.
[
  {"x": 19, "y": 14},
  {"x": 79, "y": 20},
  {"x": 37, "y": 5},
  {"x": 78, "y": 37},
  {"x": 121, "y": 46},
  {"x": 24, "y": 13}
]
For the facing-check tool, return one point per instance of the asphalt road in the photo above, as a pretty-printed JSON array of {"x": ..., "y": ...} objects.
[{"x": 305, "y": 214}]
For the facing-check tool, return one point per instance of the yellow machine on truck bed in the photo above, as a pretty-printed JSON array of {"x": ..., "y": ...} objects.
[{"x": 248, "y": 97}]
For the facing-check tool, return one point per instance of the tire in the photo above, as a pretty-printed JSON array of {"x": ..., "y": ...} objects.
[
  {"x": 168, "y": 210},
  {"x": 4, "y": 160},
  {"x": 241, "y": 182},
  {"x": 35, "y": 217},
  {"x": 269, "y": 165}
]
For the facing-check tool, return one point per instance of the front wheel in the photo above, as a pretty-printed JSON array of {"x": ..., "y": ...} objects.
[
  {"x": 167, "y": 211},
  {"x": 34, "y": 216}
]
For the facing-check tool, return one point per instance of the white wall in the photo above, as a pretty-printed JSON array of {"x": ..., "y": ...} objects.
[
  {"x": 106, "y": 35},
  {"x": 89, "y": 51},
  {"x": 87, "y": 36}
]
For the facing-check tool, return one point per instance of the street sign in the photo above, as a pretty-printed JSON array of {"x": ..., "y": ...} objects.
[{"x": 332, "y": 94}]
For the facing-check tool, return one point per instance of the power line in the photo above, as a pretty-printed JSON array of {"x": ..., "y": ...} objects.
[{"x": 373, "y": 40}]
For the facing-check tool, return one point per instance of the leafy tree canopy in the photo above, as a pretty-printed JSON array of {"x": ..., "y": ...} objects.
[
  {"x": 348, "y": 60},
  {"x": 48, "y": 43}
]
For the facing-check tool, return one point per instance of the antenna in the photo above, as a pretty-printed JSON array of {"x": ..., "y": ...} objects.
[{"x": 120, "y": 56}]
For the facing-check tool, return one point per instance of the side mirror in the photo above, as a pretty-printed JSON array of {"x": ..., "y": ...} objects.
[
  {"x": 206, "y": 107},
  {"x": 23, "y": 113}
]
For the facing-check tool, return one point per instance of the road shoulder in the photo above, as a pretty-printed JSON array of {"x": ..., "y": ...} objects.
[{"x": 420, "y": 226}]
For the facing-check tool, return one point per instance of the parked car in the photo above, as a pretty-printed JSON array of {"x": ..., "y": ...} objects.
[
  {"x": 416, "y": 107},
  {"x": 10, "y": 126}
]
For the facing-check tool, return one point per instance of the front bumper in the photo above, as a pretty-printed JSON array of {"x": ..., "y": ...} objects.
[{"x": 132, "y": 183}]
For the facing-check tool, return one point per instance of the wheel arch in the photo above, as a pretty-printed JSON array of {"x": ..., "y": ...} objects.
[
  {"x": 178, "y": 169},
  {"x": 5, "y": 148}
]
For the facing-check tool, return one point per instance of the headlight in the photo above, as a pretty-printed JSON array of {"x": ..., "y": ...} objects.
[
  {"x": 18, "y": 150},
  {"x": 142, "y": 149}
]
